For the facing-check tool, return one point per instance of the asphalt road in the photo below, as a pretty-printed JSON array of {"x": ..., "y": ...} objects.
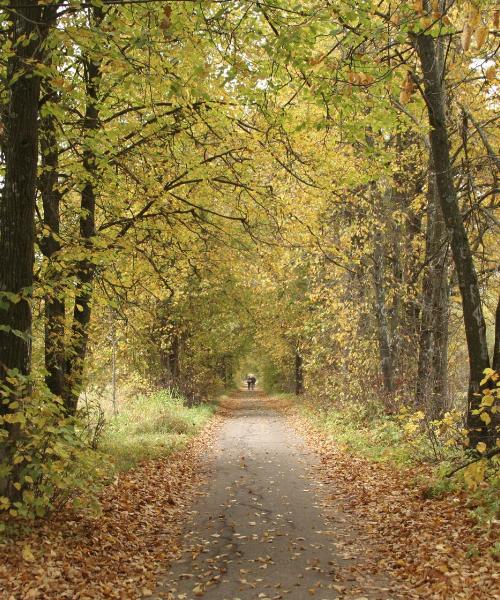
[{"x": 259, "y": 532}]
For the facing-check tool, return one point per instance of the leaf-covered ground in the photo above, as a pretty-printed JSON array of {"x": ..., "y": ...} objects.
[
  {"x": 119, "y": 553},
  {"x": 432, "y": 546}
]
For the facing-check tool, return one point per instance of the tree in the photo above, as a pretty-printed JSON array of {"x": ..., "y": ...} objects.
[
  {"x": 475, "y": 327},
  {"x": 27, "y": 29}
]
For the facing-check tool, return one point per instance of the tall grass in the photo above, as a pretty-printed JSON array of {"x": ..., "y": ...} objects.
[{"x": 152, "y": 426}]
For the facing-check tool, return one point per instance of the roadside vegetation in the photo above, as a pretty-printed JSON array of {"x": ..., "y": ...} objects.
[
  {"x": 152, "y": 426},
  {"x": 407, "y": 441}
]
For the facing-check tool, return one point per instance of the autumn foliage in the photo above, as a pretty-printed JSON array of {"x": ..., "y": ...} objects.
[{"x": 192, "y": 191}]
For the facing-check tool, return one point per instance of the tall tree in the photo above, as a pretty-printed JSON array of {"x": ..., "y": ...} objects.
[
  {"x": 475, "y": 326},
  {"x": 27, "y": 28}
]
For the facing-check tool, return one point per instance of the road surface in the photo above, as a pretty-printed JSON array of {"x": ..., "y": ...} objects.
[{"x": 259, "y": 532}]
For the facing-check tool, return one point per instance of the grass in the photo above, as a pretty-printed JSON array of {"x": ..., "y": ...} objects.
[
  {"x": 378, "y": 439},
  {"x": 152, "y": 426}
]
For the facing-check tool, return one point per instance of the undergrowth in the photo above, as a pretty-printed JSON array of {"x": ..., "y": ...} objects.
[
  {"x": 57, "y": 461},
  {"x": 407, "y": 440},
  {"x": 368, "y": 433},
  {"x": 151, "y": 426}
]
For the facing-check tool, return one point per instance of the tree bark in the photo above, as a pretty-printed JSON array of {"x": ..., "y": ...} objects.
[
  {"x": 431, "y": 384},
  {"x": 496, "y": 350},
  {"x": 384, "y": 340},
  {"x": 51, "y": 246},
  {"x": 299, "y": 373},
  {"x": 85, "y": 271},
  {"x": 170, "y": 362},
  {"x": 17, "y": 210},
  {"x": 475, "y": 327},
  {"x": 440, "y": 400}
]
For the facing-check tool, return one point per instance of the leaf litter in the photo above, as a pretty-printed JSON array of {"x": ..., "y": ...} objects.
[
  {"x": 119, "y": 553},
  {"x": 433, "y": 547}
]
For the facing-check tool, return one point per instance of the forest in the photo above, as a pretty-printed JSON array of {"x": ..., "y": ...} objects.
[{"x": 196, "y": 190}]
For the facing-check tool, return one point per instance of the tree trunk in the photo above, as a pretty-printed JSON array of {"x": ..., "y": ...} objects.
[
  {"x": 475, "y": 327},
  {"x": 173, "y": 359},
  {"x": 17, "y": 210},
  {"x": 440, "y": 401},
  {"x": 384, "y": 340},
  {"x": 496, "y": 350},
  {"x": 51, "y": 246},
  {"x": 113, "y": 370},
  {"x": 86, "y": 268},
  {"x": 299, "y": 373},
  {"x": 431, "y": 385}
]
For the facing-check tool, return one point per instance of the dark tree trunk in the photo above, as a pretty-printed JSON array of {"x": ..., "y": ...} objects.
[
  {"x": 85, "y": 270},
  {"x": 51, "y": 246},
  {"x": 475, "y": 327},
  {"x": 174, "y": 358},
  {"x": 440, "y": 400},
  {"x": 299, "y": 373},
  {"x": 225, "y": 369},
  {"x": 383, "y": 333},
  {"x": 17, "y": 208},
  {"x": 170, "y": 363},
  {"x": 229, "y": 374},
  {"x": 431, "y": 385},
  {"x": 496, "y": 350}
]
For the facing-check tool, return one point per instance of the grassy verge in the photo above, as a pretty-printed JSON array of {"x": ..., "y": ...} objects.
[
  {"x": 378, "y": 439},
  {"x": 152, "y": 426}
]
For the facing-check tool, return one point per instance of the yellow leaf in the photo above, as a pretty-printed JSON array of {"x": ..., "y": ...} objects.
[
  {"x": 490, "y": 73},
  {"x": 488, "y": 400},
  {"x": 474, "y": 474},
  {"x": 481, "y": 447},
  {"x": 466, "y": 37},
  {"x": 28, "y": 553},
  {"x": 485, "y": 418},
  {"x": 425, "y": 22},
  {"x": 395, "y": 19},
  {"x": 487, "y": 375},
  {"x": 481, "y": 35}
]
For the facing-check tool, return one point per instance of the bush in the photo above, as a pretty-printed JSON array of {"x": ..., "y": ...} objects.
[{"x": 46, "y": 458}]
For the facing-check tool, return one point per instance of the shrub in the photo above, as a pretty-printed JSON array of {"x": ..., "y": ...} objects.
[{"x": 47, "y": 462}]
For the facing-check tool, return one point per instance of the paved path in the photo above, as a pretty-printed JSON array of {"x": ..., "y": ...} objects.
[{"x": 259, "y": 533}]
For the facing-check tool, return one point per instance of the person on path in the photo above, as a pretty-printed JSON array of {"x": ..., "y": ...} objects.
[
  {"x": 253, "y": 380},
  {"x": 249, "y": 382}
]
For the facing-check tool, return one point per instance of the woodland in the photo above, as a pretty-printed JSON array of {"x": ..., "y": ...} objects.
[{"x": 195, "y": 190}]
